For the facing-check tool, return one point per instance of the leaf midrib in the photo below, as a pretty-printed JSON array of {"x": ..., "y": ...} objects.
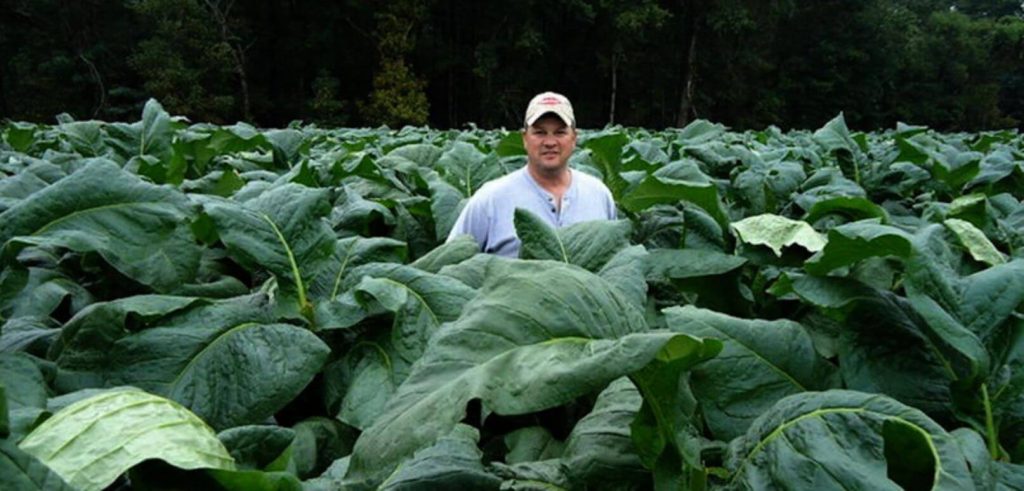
[
  {"x": 94, "y": 209},
  {"x": 291, "y": 259},
  {"x": 780, "y": 429},
  {"x": 416, "y": 294},
  {"x": 757, "y": 355},
  {"x": 341, "y": 270},
  {"x": 469, "y": 371},
  {"x": 173, "y": 386}
]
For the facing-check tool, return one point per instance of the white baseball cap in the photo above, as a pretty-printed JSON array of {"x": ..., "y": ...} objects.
[{"x": 549, "y": 102}]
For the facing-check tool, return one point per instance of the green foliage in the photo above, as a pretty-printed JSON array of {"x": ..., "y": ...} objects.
[
  {"x": 326, "y": 106},
  {"x": 397, "y": 98},
  {"x": 183, "y": 62},
  {"x": 950, "y": 65},
  {"x": 808, "y": 309},
  {"x": 124, "y": 427}
]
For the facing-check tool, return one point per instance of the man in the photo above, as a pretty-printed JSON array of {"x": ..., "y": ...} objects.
[{"x": 546, "y": 186}]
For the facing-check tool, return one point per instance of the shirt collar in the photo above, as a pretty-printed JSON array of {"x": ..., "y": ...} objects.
[{"x": 569, "y": 193}]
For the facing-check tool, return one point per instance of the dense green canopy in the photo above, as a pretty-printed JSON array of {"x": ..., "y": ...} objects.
[{"x": 948, "y": 64}]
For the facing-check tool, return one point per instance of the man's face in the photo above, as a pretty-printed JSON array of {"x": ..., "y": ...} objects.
[{"x": 549, "y": 142}]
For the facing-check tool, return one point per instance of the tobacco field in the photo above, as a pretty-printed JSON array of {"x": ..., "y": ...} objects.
[{"x": 192, "y": 306}]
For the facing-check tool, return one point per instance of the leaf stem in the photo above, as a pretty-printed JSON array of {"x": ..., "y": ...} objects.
[
  {"x": 990, "y": 427},
  {"x": 304, "y": 306}
]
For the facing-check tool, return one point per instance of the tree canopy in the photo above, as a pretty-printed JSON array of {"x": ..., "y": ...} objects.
[{"x": 949, "y": 64}]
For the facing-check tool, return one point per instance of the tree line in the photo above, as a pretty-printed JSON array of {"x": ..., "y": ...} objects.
[{"x": 954, "y": 65}]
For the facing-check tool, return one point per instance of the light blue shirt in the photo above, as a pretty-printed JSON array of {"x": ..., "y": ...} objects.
[{"x": 488, "y": 216}]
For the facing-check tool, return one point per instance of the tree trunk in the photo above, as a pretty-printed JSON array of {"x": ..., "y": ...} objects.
[
  {"x": 237, "y": 51},
  {"x": 687, "y": 66},
  {"x": 239, "y": 56},
  {"x": 615, "y": 85},
  {"x": 686, "y": 99},
  {"x": 4, "y": 109},
  {"x": 101, "y": 90},
  {"x": 452, "y": 33}
]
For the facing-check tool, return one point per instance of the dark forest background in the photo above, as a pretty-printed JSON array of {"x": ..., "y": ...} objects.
[{"x": 951, "y": 65}]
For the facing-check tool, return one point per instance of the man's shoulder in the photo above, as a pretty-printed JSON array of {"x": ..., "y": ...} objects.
[
  {"x": 590, "y": 182},
  {"x": 509, "y": 183}
]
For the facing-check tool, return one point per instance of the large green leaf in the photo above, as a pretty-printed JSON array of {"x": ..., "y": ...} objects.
[
  {"x": 20, "y": 186},
  {"x": 986, "y": 472},
  {"x": 839, "y": 145},
  {"x": 446, "y": 202},
  {"x": 84, "y": 350},
  {"x": 23, "y": 472},
  {"x": 664, "y": 264},
  {"x": 26, "y": 392},
  {"x": 422, "y": 154},
  {"x": 533, "y": 339},
  {"x": 225, "y": 362},
  {"x": 139, "y": 228},
  {"x": 776, "y": 232},
  {"x": 147, "y": 146},
  {"x": 665, "y": 431},
  {"x": 20, "y": 135},
  {"x": 23, "y": 381},
  {"x": 589, "y": 244},
  {"x": 835, "y": 136},
  {"x": 852, "y": 208},
  {"x": 761, "y": 362},
  {"x": 349, "y": 253},
  {"x": 962, "y": 312},
  {"x": 600, "y": 450},
  {"x": 281, "y": 231},
  {"x": 951, "y": 165},
  {"x": 699, "y": 131},
  {"x": 474, "y": 271},
  {"x": 845, "y": 440},
  {"x": 28, "y": 334},
  {"x": 884, "y": 346},
  {"x": 679, "y": 181},
  {"x": 995, "y": 167},
  {"x": 763, "y": 187},
  {"x": 93, "y": 441},
  {"x": 975, "y": 242},
  {"x": 856, "y": 241},
  {"x": 151, "y": 136},
  {"x": 510, "y": 145},
  {"x": 256, "y": 446},
  {"x": 606, "y": 154},
  {"x": 627, "y": 270},
  {"x": 331, "y": 480},
  {"x": 319, "y": 441},
  {"x": 451, "y": 463},
  {"x": 530, "y": 444},
  {"x": 466, "y": 168},
  {"x": 541, "y": 475},
  {"x": 420, "y": 302},
  {"x": 38, "y": 292},
  {"x": 454, "y": 252}
]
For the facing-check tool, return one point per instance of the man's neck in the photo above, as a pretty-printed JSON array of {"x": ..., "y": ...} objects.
[{"x": 554, "y": 181}]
